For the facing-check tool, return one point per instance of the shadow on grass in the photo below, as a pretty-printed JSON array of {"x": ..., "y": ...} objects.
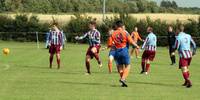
[
  {"x": 88, "y": 83},
  {"x": 82, "y": 83},
  {"x": 59, "y": 72},
  {"x": 33, "y": 67},
  {"x": 157, "y": 84}
]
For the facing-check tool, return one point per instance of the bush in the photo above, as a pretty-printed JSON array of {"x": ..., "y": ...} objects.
[{"x": 79, "y": 25}]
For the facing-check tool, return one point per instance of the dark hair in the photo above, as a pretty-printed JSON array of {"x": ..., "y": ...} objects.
[
  {"x": 93, "y": 22},
  {"x": 150, "y": 29},
  {"x": 119, "y": 23}
]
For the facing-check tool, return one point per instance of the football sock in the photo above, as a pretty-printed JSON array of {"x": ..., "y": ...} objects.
[
  {"x": 173, "y": 59},
  {"x": 147, "y": 67},
  {"x": 110, "y": 66},
  {"x": 51, "y": 60},
  {"x": 125, "y": 73},
  {"x": 87, "y": 66},
  {"x": 143, "y": 65},
  {"x": 185, "y": 76},
  {"x": 121, "y": 73},
  {"x": 58, "y": 62},
  {"x": 96, "y": 55}
]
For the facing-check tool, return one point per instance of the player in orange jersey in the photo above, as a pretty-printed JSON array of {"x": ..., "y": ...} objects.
[
  {"x": 119, "y": 39},
  {"x": 135, "y": 35}
]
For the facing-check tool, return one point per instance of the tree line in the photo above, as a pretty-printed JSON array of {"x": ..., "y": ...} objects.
[
  {"x": 93, "y": 6},
  {"x": 21, "y": 27}
]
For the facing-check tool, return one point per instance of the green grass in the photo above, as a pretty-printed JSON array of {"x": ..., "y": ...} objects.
[{"x": 24, "y": 75}]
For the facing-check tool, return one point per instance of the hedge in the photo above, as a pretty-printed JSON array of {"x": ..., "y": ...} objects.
[{"x": 22, "y": 25}]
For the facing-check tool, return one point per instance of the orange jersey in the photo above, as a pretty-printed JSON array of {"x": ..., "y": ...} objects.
[
  {"x": 136, "y": 36},
  {"x": 119, "y": 38}
]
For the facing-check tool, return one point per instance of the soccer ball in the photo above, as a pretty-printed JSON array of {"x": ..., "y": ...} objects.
[{"x": 6, "y": 51}]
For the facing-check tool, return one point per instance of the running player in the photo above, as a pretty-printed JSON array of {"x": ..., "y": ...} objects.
[
  {"x": 111, "y": 53},
  {"x": 120, "y": 38},
  {"x": 135, "y": 35},
  {"x": 183, "y": 44},
  {"x": 94, "y": 45},
  {"x": 113, "y": 49},
  {"x": 55, "y": 41},
  {"x": 150, "y": 50}
]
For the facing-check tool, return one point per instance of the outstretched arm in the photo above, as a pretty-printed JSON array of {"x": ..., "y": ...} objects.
[
  {"x": 81, "y": 37},
  {"x": 145, "y": 42}
]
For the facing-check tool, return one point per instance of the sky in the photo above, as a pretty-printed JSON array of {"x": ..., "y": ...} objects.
[{"x": 184, "y": 3}]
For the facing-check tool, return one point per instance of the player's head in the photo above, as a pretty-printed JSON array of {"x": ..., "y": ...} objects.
[
  {"x": 181, "y": 28},
  {"x": 124, "y": 27},
  {"x": 119, "y": 24},
  {"x": 110, "y": 31},
  {"x": 54, "y": 26},
  {"x": 149, "y": 29},
  {"x": 92, "y": 25},
  {"x": 170, "y": 29},
  {"x": 136, "y": 29}
]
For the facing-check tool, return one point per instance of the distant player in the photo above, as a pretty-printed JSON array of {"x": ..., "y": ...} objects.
[
  {"x": 149, "y": 45},
  {"x": 120, "y": 38},
  {"x": 183, "y": 44},
  {"x": 94, "y": 37},
  {"x": 171, "y": 41},
  {"x": 135, "y": 35},
  {"x": 55, "y": 41},
  {"x": 111, "y": 53}
]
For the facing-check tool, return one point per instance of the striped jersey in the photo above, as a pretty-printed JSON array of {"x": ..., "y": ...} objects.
[
  {"x": 183, "y": 44},
  {"x": 55, "y": 38},
  {"x": 150, "y": 42},
  {"x": 94, "y": 37}
]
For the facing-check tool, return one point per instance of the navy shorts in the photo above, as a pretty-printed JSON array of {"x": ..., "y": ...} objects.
[
  {"x": 112, "y": 53},
  {"x": 122, "y": 56}
]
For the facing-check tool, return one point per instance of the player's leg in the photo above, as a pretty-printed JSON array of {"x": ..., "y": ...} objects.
[
  {"x": 120, "y": 70},
  {"x": 51, "y": 52},
  {"x": 186, "y": 75},
  {"x": 126, "y": 67},
  {"x": 184, "y": 63},
  {"x": 58, "y": 49},
  {"x": 143, "y": 63},
  {"x": 126, "y": 70},
  {"x": 132, "y": 51},
  {"x": 51, "y": 60},
  {"x": 172, "y": 56},
  {"x": 147, "y": 69},
  {"x": 58, "y": 60},
  {"x": 87, "y": 63},
  {"x": 137, "y": 53},
  {"x": 110, "y": 60},
  {"x": 95, "y": 51}
]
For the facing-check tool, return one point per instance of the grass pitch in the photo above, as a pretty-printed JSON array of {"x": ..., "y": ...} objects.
[{"x": 24, "y": 75}]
